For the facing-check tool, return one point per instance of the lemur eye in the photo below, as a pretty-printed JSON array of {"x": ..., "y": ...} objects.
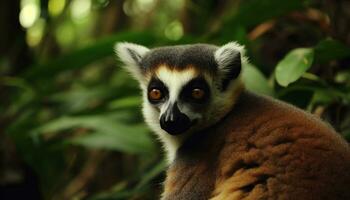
[
  {"x": 155, "y": 94},
  {"x": 197, "y": 93}
]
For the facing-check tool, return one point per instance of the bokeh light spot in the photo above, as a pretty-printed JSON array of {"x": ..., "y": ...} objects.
[
  {"x": 29, "y": 14},
  {"x": 35, "y": 33},
  {"x": 56, "y": 7},
  {"x": 65, "y": 34},
  {"x": 174, "y": 31},
  {"x": 145, "y": 5},
  {"x": 80, "y": 9},
  {"x": 137, "y": 7}
]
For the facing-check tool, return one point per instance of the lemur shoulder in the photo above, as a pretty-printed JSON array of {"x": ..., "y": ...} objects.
[{"x": 223, "y": 142}]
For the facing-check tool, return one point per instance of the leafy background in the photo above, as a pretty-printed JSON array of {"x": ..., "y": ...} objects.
[{"x": 70, "y": 122}]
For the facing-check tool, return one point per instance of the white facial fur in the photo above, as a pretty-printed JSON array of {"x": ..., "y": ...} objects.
[
  {"x": 174, "y": 81},
  {"x": 220, "y": 104}
]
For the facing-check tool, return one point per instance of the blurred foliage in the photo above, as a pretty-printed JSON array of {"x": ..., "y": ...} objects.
[{"x": 70, "y": 117}]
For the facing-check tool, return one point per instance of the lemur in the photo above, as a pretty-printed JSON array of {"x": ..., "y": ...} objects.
[{"x": 224, "y": 142}]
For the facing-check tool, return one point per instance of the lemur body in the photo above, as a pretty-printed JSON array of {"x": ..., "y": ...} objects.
[
  {"x": 280, "y": 153},
  {"x": 223, "y": 142}
]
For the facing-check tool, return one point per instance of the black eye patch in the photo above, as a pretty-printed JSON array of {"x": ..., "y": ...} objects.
[
  {"x": 159, "y": 85},
  {"x": 196, "y": 83}
]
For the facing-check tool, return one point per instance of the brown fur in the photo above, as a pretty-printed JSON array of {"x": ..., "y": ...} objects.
[{"x": 263, "y": 149}]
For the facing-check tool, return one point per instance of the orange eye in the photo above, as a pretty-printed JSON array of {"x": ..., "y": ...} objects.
[
  {"x": 197, "y": 93},
  {"x": 155, "y": 94}
]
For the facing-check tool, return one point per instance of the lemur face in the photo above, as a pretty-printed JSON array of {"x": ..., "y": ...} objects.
[
  {"x": 185, "y": 88},
  {"x": 180, "y": 97}
]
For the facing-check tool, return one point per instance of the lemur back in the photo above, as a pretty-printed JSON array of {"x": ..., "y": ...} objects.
[{"x": 263, "y": 149}]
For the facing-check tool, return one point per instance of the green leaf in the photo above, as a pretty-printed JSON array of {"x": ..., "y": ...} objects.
[
  {"x": 255, "y": 81},
  {"x": 346, "y": 135},
  {"x": 330, "y": 49},
  {"x": 254, "y": 12},
  {"x": 267, "y": 9},
  {"x": 102, "y": 122},
  {"x": 109, "y": 132},
  {"x": 24, "y": 95},
  {"x": 294, "y": 65},
  {"x": 323, "y": 97},
  {"x": 80, "y": 99},
  {"x": 87, "y": 55},
  {"x": 128, "y": 102},
  {"x": 130, "y": 140},
  {"x": 144, "y": 178}
]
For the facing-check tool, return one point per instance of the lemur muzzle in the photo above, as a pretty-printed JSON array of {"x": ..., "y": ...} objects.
[{"x": 174, "y": 121}]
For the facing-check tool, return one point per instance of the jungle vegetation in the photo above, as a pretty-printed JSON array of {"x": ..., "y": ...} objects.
[{"x": 70, "y": 121}]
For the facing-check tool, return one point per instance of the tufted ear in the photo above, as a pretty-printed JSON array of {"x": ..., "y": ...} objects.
[
  {"x": 131, "y": 55},
  {"x": 229, "y": 58}
]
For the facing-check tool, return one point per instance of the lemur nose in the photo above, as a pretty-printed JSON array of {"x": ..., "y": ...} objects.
[{"x": 174, "y": 121}]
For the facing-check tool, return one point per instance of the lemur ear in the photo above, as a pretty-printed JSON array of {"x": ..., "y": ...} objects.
[
  {"x": 131, "y": 55},
  {"x": 229, "y": 58}
]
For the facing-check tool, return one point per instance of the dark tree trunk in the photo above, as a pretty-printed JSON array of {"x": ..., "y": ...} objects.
[
  {"x": 339, "y": 13},
  {"x": 195, "y": 12},
  {"x": 13, "y": 48},
  {"x": 17, "y": 180}
]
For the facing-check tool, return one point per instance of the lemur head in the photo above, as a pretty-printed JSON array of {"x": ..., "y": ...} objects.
[{"x": 187, "y": 87}]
